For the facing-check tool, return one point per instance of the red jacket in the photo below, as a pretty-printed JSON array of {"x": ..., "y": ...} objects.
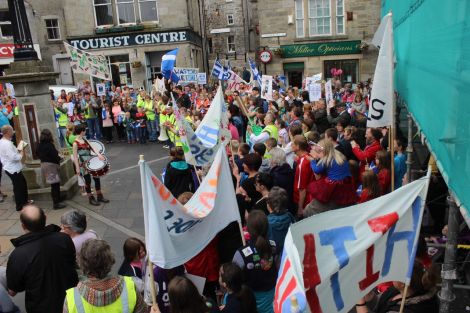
[
  {"x": 384, "y": 180},
  {"x": 368, "y": 155}
]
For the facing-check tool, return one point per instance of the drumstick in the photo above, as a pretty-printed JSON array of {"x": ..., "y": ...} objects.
[{"x": 91, "y": 147}]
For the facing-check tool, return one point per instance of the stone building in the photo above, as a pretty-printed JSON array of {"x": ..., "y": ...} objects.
[
  {"x": 307, "y": 37},
  {"x": 132, "y": 34},
  {"x": 231, "y": 30}
]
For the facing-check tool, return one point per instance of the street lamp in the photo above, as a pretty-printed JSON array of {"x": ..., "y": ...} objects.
[{"x": 24, "y": 49}]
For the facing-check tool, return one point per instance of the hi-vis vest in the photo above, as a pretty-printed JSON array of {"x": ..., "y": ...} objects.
[
  {"x": 272, "y": 131},
  {"x": 125, "y": 304},
  {"x": 62, "y": 118}
]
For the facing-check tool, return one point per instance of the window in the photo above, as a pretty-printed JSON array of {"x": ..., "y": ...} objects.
[
  {"x": 6, "y": 30},
  {"x": 209, "y": 43},
  {"x": 52, "y": 28},
  {"x": 319, "y": 17},
  {"x": 350, "y": 70},
  {"x": 299, "y": 18},
  {"x": 229, "y": 19},
  {"x": 231, "y": 43},
  {"x": 339, "y": 16},
  {"x": 125, "y": 11},
  {"x": 148, "y": 10},
  {"x": 103, "y": 12},
  {"x": 120, "y": 69}
]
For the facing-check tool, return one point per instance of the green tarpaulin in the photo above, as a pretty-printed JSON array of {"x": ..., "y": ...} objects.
[{"x": 432, "y": 46}]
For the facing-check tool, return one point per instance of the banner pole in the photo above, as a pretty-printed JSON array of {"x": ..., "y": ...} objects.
[
  {"x": 392, "y": 156},
  {"x": 197, "y": 175},
  {"x": 152, "y": 282},
  {"x": 409, "y": 149},
  {"x": 403, "y": 299},
  {"x": 241, "y": 232}
]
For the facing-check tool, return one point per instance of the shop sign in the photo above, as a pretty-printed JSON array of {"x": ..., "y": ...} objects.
[
  {"x": 187, "y": 75},
  {"x": 133, "y": 39},
  {"x": 321, "y": 49}
]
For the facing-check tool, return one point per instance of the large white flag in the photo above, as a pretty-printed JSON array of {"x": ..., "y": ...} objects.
[
  {"x": 333, "y": 259},
  {"x": 175, "y": 233},
  {"x": 382, "y": 96}
]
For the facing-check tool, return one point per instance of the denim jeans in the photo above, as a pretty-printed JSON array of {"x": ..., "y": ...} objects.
[
  {"x": 93, "y": 128},
  {"x": 130, "y": 135},
  {"x": 152, "y": 129},
  {"x": 141, "y": 134},
  {"x": 62, "y": 134}
]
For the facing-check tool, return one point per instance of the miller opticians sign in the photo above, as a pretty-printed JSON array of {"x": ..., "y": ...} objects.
[
  {"x": 321, "y": 49},
  {"x": 135, "y": 39}
]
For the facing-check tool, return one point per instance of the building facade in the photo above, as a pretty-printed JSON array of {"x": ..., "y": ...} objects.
[
  {"x": 132, "y": 34},
  {"x": 232, "y": 30},
  {"x": 307, "y": 37}
]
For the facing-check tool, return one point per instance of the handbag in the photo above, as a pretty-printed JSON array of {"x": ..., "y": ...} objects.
[{"x": 50, "y": 171}]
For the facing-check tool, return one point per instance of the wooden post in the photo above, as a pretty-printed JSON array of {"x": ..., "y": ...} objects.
[{"x": 403, "y": 299}]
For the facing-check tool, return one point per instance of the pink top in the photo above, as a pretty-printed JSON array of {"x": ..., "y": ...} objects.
[
  {"x": 116, "y": 110},
  {"x": 80, "y": 239},
  {"x": 234, "y": 132}
]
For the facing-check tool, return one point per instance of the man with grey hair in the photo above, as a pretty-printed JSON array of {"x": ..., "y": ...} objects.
[
  {"x": 279, "y": 217},
  {"x": 11, "y": 157},
  {"x": 74, "y": 224},
  {"x": 282, "y": 174}
]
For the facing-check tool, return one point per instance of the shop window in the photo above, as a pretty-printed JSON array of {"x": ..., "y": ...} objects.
[
  {"x": 148, "y": 10},
  {"x": 319, "y": 17},
  {"x": 120, "y": 69},
  {"x": 125, "y": 11},
  {"x": 231, "y": 43},
  {"x": 229, "y": 19},
  {"x": 350, "y": 70},
  {"x": 6, "y": 30},
  {"x": 340, "y": 16},
  {"x": 52, "y": 28},
  {"x": 103, "y": 12}
]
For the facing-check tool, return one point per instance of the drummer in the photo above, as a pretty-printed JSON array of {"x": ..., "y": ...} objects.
[
  {"x": 269, "y": 131},
  {"x": 81, "y": 154}
]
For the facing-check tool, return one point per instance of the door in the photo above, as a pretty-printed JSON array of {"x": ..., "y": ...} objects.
[
  {"x": 153, "y": 62},
  {"x": 295, "y": 78},
  {"x": 65, "y": 71}
]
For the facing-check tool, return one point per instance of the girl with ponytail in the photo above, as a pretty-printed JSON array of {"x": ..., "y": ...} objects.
[
  {"x": 239, "y": 298},
  {"x": 256, "y": 259}
]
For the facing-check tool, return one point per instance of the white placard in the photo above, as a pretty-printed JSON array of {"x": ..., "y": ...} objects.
[
  {"x": 267, "y": 87},
  {"x": 100, "y": 90},
  {"x": 201, "y": 78}
]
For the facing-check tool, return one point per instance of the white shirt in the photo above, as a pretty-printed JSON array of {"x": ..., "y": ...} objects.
[{"x": 10, "y": 157}]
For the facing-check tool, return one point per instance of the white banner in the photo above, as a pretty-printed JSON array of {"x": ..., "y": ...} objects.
[
  {"x": 175, "y": 233},
  {"x": 186, "y": 75},
  {"x": 88, "y": 63},
  {"x": 201, "y": 78},
  {"x": 267, "y": 87},
  {"x": 234, "y": 81},
  {"x": 381, "y": 100},
  {"x": 333, "y": 259},
  {"x": 328, "y": 91},
  {"x": 314, "y": 91}
]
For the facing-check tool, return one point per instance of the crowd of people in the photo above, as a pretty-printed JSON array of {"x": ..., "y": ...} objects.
[{"x": 291, "y": 158}]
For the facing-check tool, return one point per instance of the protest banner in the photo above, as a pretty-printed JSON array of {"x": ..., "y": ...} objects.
[
  {"x": 187, "y": 75},
  {"x": 382, "y": 96},
  {"x": 267, "y": 87},
  {"x": 175, "y": 233},
  {"x": 201, "y": 78},
  {"x": 234, "y": 81},
  {"x": 88, "y": 63},
  {"x": 328, "y": 91},
  {"x": 333, "y": 259}
]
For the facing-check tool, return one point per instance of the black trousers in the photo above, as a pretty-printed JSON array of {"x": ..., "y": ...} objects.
[
  {"x": 97, "y": 181},
  {"x": 108, "y": 133},
  {"x": 20, "y": 189},
  {"x": 55, "y": 193}
]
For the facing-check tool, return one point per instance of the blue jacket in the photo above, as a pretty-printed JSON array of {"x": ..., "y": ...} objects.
[{"x": 278, "y": 226}]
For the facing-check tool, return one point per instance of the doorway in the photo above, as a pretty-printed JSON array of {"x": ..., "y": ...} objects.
[
  {"x": 153, "y": 61},
  {"x": 294, "y": 72}
]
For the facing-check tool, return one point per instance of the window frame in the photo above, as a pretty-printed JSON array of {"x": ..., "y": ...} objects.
[
  {"x": 116, "y": 3},
  {"x": 56, "y": 27},
  {"x": 298, "y": 19},
  {"x": 96, "y": 18},
  {"x": 1, "y": 32},
  {"x": 313, "y": 18},
  {"x": 336, "y": 18},
  {"x": 140, "y": 11},
  {"x": 228, "y": 44},
  {"x": 228, "y": 19}
]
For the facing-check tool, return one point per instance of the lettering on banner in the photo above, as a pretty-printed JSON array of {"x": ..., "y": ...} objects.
[
  {"x": 336, "y": 237},
  {"x": 200, "y": 153},
  {"x": 179, "y": 225},
  {"x": 208, "y": 134}
]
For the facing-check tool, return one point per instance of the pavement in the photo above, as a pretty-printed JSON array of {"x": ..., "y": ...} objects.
[{"x": 115, "y": 221}]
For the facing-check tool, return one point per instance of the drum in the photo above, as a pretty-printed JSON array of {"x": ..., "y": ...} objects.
[
  {"x": 97, "y": 146},
  {"x": 97, "y": 167}
]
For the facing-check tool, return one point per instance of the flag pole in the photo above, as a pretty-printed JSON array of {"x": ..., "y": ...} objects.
[
  {"x": 144, "y": 200},
  {"x": 403, "y": 299}
]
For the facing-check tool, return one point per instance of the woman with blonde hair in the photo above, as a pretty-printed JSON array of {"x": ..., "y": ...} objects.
[{"x": 333, "y": 177}]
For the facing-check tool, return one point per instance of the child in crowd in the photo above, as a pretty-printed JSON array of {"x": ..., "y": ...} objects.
[
  {"x": 382, "y": 162},
  {"x": 370, "y": 187},
  {"x": 134, "y": 261},
  {"x": 260, "y": 149},
  {"x": 108, "y": 125},
  {"x": 399, "y": 163},
  {"x": 129, "y": 125},
  {"x": 270, "y": 143},
  {"x": 76, "y": 118},
  {"x": 141, "y": 125},
  {"x": 243, "y": 150},
  {"x": 283, "y": 133}
]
